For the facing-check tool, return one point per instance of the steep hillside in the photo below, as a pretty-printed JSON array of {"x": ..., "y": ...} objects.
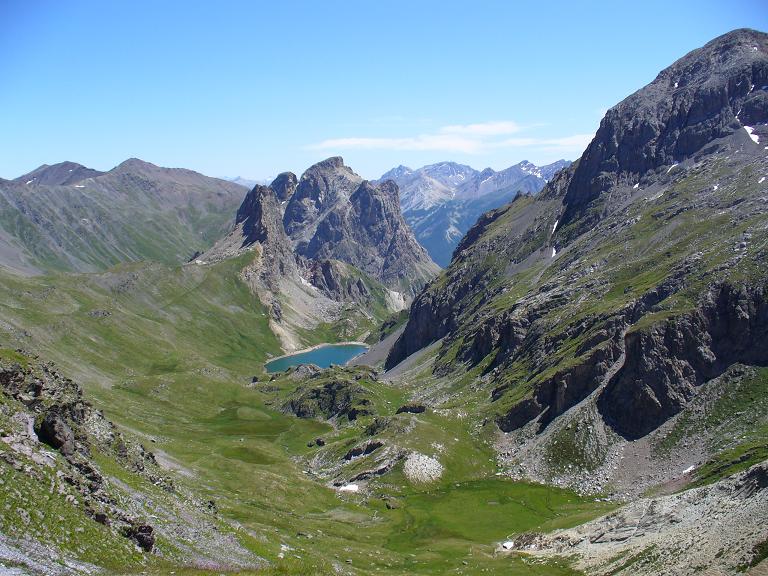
[
  {"x": 442, "y": 201},
  {"x": 80, "y": 493},
  {"x": 71, "y": 218},
  {"x": 613, "y": 317}
]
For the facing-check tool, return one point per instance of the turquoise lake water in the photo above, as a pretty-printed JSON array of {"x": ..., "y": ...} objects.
[{"x": 323, "y": 357}]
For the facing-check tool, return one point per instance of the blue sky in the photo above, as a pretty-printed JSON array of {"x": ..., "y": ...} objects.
[{"x": 255, "y": 88}]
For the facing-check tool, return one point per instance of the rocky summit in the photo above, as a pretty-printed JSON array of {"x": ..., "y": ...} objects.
[
  {"x": 324, "y": 240},
  {"x": 333, "y": 213}
]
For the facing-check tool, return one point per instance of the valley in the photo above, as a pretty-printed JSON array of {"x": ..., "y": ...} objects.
[{"x": 581, "y": 390}]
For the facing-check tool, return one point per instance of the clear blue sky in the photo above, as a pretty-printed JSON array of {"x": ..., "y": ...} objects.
[{"x": 254, "y": 88}]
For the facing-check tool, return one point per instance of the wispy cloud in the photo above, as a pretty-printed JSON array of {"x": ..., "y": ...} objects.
[
  {"x": 461, "y": 138},
  {"x": 484, "y": 129}
]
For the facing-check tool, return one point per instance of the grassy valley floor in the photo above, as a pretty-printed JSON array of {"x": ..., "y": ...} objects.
[{"x": 168, "y": 354}]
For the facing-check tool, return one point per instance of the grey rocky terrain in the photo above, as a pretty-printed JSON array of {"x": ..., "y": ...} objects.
[
  {"x": 673, "y": 534},
  {"x": 321, "y": 242}
]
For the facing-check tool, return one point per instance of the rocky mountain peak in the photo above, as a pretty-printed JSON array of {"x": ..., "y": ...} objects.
[
  {"x": 331, "y": 213},
  {"x": 334, "y": 162},
  {"x": 335, "y": 214},
  {"x": 260, "y": 214},
  {"x": 322, "y": 186},
  {"x": 61, "y": 174},
  {"x": 710, "y": 93},
  {"x": 548, "y": 172},
  {"x": 134, "y": 165},
  {"x": 442, "y": 201},
  {"x": 486, "y": 173},
  {"x": 284, "y": 185},
  {"x": 397, "y": 172}
]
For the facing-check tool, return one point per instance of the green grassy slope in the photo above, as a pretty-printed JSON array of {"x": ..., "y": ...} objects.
[{"x": 167, "y": 353}]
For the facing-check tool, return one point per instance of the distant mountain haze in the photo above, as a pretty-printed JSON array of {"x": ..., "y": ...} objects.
[{"x": 442, "y": 201}]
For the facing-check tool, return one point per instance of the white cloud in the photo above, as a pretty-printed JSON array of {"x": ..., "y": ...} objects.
[
  {"x": 484, "y": 129},
  {"x": 445, "y": 142},
  {"x": 468, "y": 139}
]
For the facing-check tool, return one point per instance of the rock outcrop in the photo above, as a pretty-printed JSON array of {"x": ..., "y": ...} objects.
[
  {"x": 65, "y": 472},
  {"x": 666, "y": 534},
  {"x": 69, "y": 424},
  {"x": 335, "y": 399},
  {"x": 284, "y": 185},
  {"x": 667, "y": 361},
  {"x": 259, "y": 222},
  {"x": 335, "y": 214},
  {"x": 706, "y": 95}
]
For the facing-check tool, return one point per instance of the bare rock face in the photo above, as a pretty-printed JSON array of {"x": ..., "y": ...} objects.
[
  {"x": 320, "y": 188},
  {"x": 667, "y": 361},
  {"x": 143, "y": 535},
  {"x": 708, "y": 94},
  {"x": 284, "y": 185},
  {"x": 329, "y": 218},
  {"x": 54, "y": 431},
  {"x": 332, "y": 277},
  {"x": 368, "y": 231},
  {"x": 259, "y": 221}
]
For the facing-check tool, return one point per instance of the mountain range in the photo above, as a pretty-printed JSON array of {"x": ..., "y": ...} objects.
[
  {"x": 582, "y": 390},
  {"x": 442, "y": 201},
  {"x": 601, "y": 314},
  {"x": 71, "y": 218}
]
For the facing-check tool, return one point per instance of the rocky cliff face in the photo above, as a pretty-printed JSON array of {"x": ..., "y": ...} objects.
[
  {"x": 335, "y": 214},
  {"x": 330, "y": 214},
  {"x": 368, "y": 231},
  {"x": 319, "y": 190},
  {"x": 324, "y": 241},
  {"x": 284, "y": 185},
  {"x": 630, "y": 283},
  {"x": 258, "y": 220},
  {"x": 706, "y": 95},
  {"x": 668, "y": 361}
]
